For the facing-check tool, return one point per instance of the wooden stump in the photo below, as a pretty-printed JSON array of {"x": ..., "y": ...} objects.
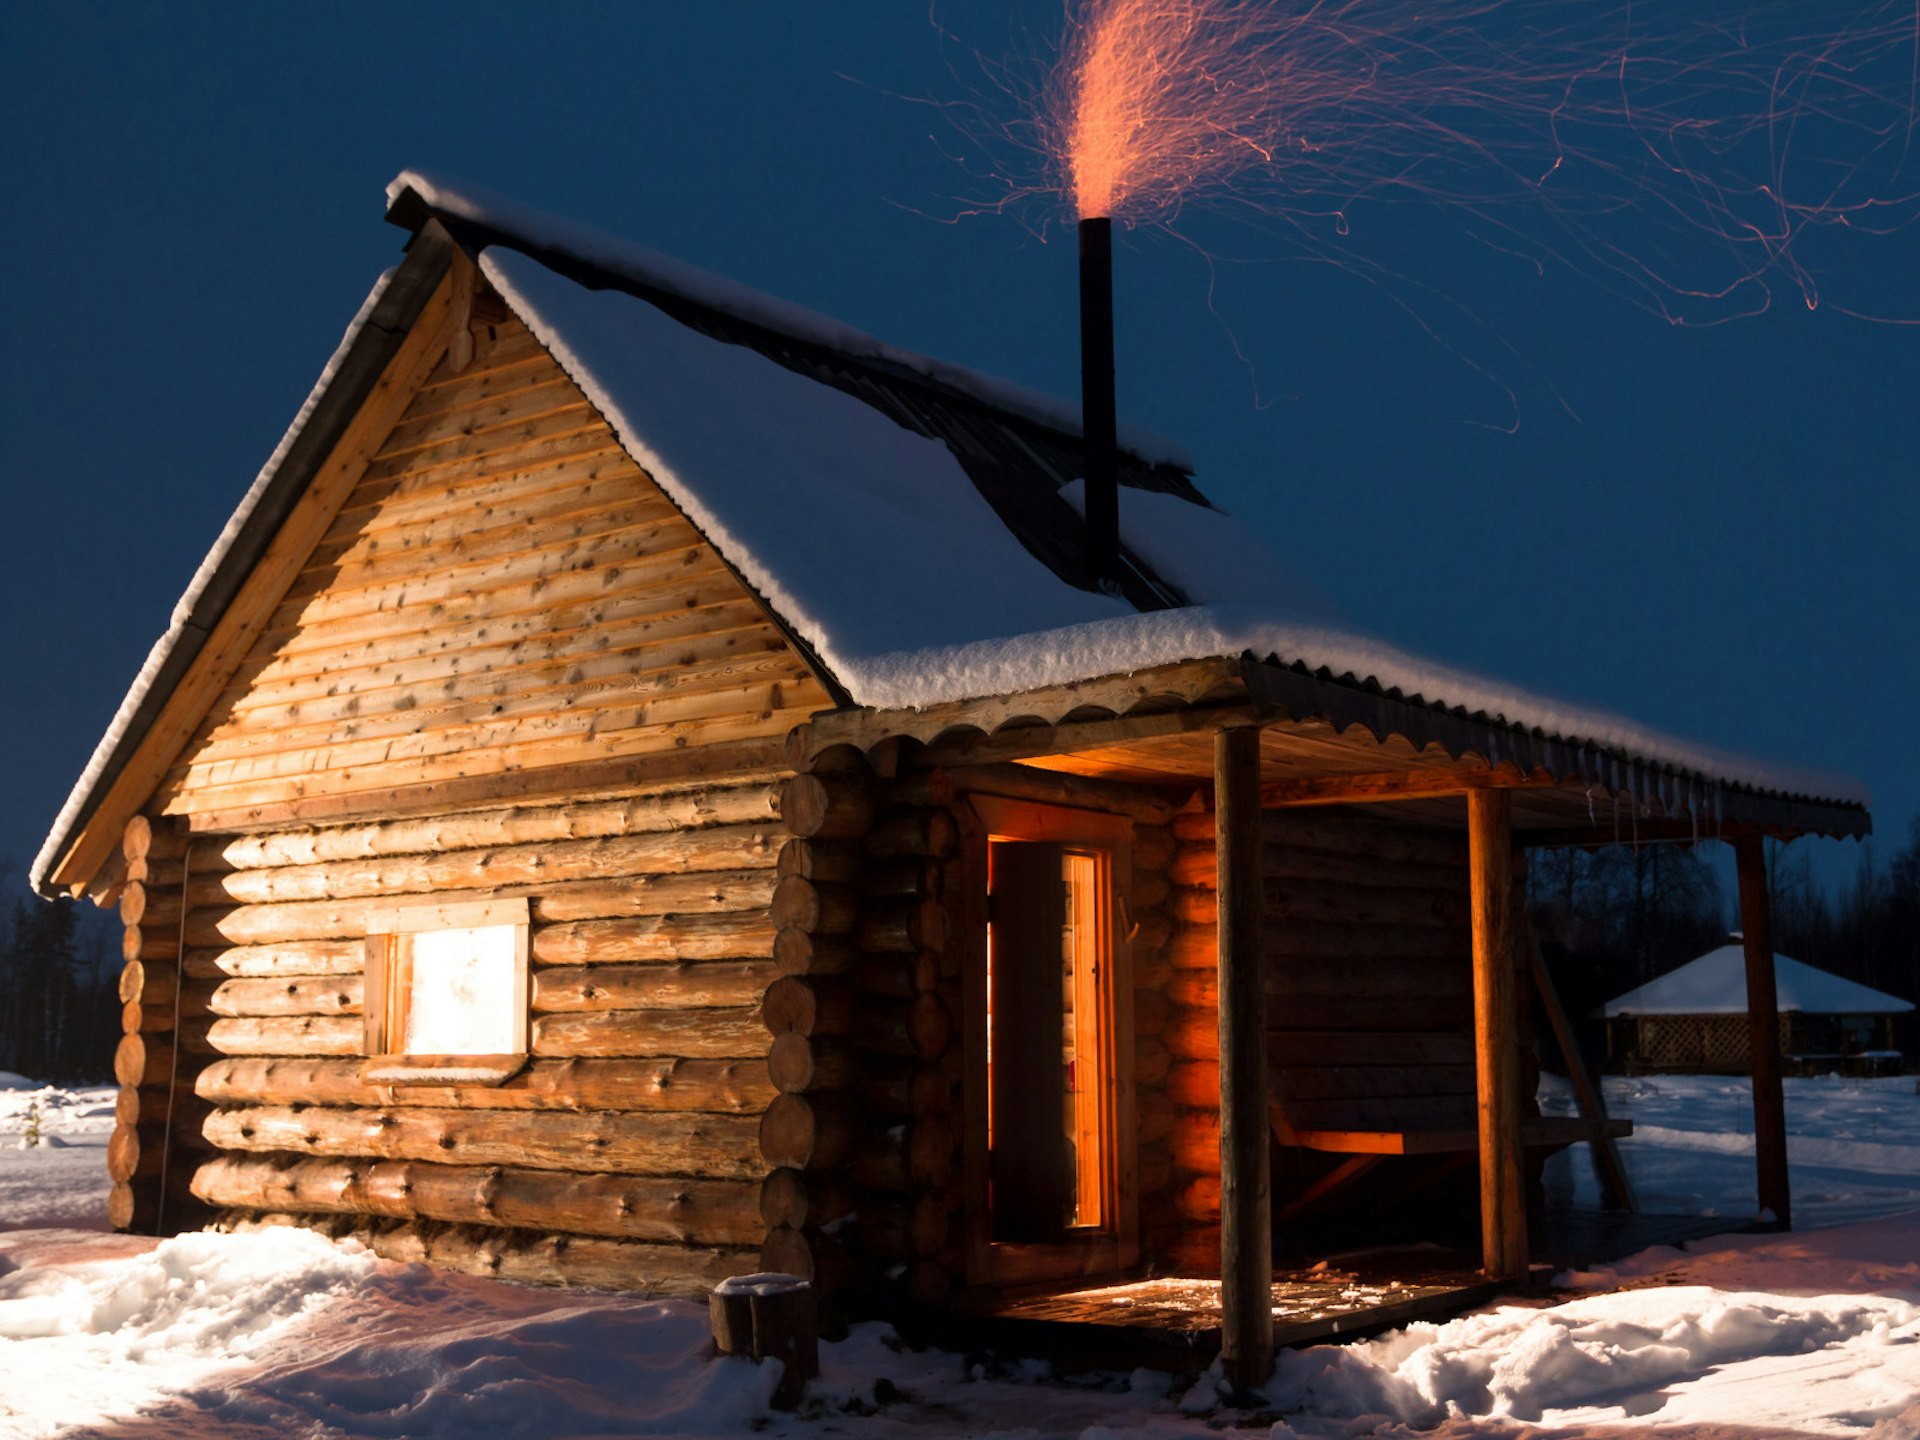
[{"x": 769, "y": 1317}]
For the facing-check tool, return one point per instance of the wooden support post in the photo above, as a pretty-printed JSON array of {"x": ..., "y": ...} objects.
[
  {"x": 1763, "y": 1029},
  {"x": 1246, "y": 1224},
  {"x": 1496, "y": 1024}
]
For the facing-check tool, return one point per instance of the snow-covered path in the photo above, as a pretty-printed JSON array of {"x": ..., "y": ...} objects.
[{"x": 265, "y": 1337}]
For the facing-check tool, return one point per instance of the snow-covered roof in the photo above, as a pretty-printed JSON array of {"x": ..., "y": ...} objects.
[
  {"x": 874, "y": 542},
  {"x": 1716, "y": 984}
]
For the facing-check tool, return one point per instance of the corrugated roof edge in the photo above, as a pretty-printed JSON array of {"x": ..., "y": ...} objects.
[
  {"x": 376, "y": 330},
  {"x": 414, "y": 194}
]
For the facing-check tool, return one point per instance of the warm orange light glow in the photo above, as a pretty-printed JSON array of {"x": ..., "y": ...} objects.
[
  {"x": 1161, "y": 96},
  {"x": 1681, "y": 155}
]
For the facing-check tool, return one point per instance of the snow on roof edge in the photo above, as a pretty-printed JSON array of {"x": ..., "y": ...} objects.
[
  {"x": 916, "y": 679},
  {"x": 1799, "y": 988},
  {"x": 183, "y": 610},
  {"x": 609, "y": 252}
]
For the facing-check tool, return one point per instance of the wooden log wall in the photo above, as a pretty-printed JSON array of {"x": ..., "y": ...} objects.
[
  {"x": 1369, "y": 995},
  {"x": 861, "y": 1146},
  {"x": 627, "y": 1152},
  {"x": 504, "y": 595},
  {"x": 156, "y": 1115},
  {"x": 1157, "y": 1115}
]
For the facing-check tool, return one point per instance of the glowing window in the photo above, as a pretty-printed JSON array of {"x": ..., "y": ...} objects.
[{"x": 446, "y": 993}]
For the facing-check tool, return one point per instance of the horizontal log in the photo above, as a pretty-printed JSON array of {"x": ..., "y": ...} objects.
[
  {"x": 673, "y": 811},
  {"x": 146, "y": 983},
  {"x": 1055, "y": 787},
  {"x": 817, "y": 907},
  {"x": 808, "y": 1132},
  {"x": 920, "y": 1157},
  {"x": 747, "y": 935},
  {"x": 540, "y": 863},
  {"x": 913, "y": 834},
  {"x": 531, "y": 1257},
  {"x": 1337, "y": 835},
  {"x": 903, "y": 926},
  {"x": 346, "y": 918},
  {"x": 1286, "y": 902},
  {"x": 798, "y": 1063},
  {"x": 901, "y": 1230},
  {"x": 295, "y": 995},
  {"x": 674, "y": 985},
  {"x": 136, "y": 1018},
  {"x": 718, "y": 1034},
  {"x": 133, "y": 1152},
  {"x": 1148, "y": 889},
  {"x": 1154, "y": 1117},
  {"x": 796, "y": 952},
  {"x": 1198, "y": 1201},
  {"x": 613, "y": 1142},
  {"x": 678, "y": 1210},
  {"x": 155, "y": 909},
  {"x": 834, "y": 862},
  {"x": 715, "y": 1086},
  {"x": 278, "y": 1035},
  {"x": 302, "y": 958},
  {"x": 1152, "y": 929},
  {"x": 1152, "y": 971},
  {"x": 143, "y": 1060},
  {"x": 146, "y": 838},
  {"x": 1195, "y": 865},
  {"x": 1149, "y": 1013},
  {"x": 146, "y": 943},
  {"x": 830, "y": 806},
  {"x": 1195, "y": 1084},
  {"x": 1194, "y": 947},
  {"x": 134, "y": 1206},
  {"x": 799, "y": 1199},
  {"x": 1151, "y": 1062},
  {"x": 1195, "y": 1143},
  {"x": 137, "y": 1105},
  {"x": 1361, "y": 977},
  {"x": 705, "y": 892},
  {"x": 1153, "y": 1168},
  {"x": 1154, "y": 847}
]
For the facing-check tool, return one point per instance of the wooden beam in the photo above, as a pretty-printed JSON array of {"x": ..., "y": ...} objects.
[
  {"x": 1586, "y": 1089},
  {"x": 253, "y": 603},
  {"x": 1405, "y": 785},
  {"x": 1028, "y": 742},
  {"x": 1763, "y": 1029},
  {"x": 1187, "y": 682},
  {"x": 1246, "y": 1222},
  {"x": 1496, "y": 1025}
]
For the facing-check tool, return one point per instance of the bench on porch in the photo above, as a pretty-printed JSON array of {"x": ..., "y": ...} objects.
[{"x": 1371, "y": 1095}]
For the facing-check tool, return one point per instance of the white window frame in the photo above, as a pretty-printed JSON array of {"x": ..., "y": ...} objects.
[{"x": 388, "y": 993}]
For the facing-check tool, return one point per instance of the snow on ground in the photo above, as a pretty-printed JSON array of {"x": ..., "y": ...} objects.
[
  {"x": 1853, "y": 1145},
  {"x": 284, "y": 1334},
  {"x": 64, "y": 1181}
]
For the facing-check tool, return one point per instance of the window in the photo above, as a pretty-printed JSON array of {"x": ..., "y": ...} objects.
[{"x": 446, "y": 993}]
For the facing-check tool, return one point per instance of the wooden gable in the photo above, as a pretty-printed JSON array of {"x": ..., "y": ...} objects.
[{"x": 502, "y": 598}]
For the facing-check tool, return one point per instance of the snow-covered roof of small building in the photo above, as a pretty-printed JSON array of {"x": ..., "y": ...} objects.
[
  {"x": 1716, "y": 984},
  {"x": 910, "y": 522}
]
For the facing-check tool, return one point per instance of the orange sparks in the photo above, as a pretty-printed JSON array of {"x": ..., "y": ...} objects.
[
  {"x": 1679, "y": 157},
  {"x": 1161, "y": 96}
]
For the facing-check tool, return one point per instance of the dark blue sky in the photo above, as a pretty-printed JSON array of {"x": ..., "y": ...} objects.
[{"x": 1721, "y": 543}]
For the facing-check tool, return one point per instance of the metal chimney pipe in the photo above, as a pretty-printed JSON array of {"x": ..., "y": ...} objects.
[{"x": 1097, "y": 416}]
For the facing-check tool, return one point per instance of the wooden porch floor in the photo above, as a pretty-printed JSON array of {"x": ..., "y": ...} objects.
[{"x": 1173, "y": 1322}]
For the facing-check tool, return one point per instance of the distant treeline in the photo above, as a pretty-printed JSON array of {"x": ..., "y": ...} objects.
[
  {"x": 59, "y": 992},
  {"x": 1615, "y": 918}
]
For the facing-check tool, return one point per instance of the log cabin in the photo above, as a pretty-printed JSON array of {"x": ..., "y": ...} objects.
[{"x": 644, "y": 788}]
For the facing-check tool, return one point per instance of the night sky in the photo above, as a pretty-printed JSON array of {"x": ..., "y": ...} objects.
[{"x": 1711, "y": 530}]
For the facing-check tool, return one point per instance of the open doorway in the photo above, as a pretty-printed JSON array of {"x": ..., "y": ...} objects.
[{"x": 1050, "y": 1133}]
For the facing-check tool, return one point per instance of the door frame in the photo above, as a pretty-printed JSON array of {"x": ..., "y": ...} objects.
[{"x": 1114, "y": 1246}]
